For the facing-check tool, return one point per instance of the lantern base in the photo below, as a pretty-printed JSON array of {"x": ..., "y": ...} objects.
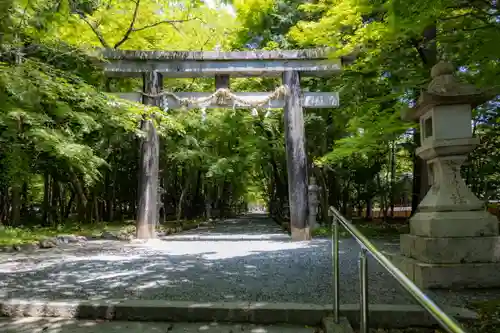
[
  {"x": 448, "y": 276},
  {"x": 454, "y": 224},
  {"x": 453, "y": 250}
]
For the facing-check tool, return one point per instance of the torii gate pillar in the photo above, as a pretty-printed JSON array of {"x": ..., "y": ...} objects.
[
  {"x": 296, "y": 158},
  {"x": 147, "y": 209}
]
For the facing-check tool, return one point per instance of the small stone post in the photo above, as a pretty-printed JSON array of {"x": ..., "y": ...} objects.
[
  {"x": 313, "y": 191},
  {"x": 453, "y": 241},
  {"x": 208, "y": 210}
]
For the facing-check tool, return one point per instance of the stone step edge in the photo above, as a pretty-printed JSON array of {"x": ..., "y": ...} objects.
[{"x": 381, "y": 315}]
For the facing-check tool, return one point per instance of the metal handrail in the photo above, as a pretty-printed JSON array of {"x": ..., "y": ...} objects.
[{"x": 446, "y": 322}]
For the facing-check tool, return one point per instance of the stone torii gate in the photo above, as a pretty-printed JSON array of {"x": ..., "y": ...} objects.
[{"x": 153, "y": 66}]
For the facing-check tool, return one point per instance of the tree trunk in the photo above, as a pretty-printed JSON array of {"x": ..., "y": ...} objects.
[
  {"x": 62, "y": 201},
  {"x": 95, "y": 207},
  {"x": 54, "y": 203},
  {"x": 161, "y": 201},
  {"x": 393, "y": 176},
  {"x": 428, "y": 55},
  {"x": 4, "y": 209},
  {"x": 181, "y": 199},
  {"x": 82, "y": 201},
  {"x": 345, "y": 200},
  {"x": 46, "y": 199},
  {"x": 368, "y": 215},
  {"x": 69, "y": 205},
  {"x": 24, "y": 199},
  {"x": 16, "y": 205},
  {"x": 208, "y": 199}
]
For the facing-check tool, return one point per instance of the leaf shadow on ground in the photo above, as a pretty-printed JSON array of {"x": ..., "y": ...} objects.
[
  {"x": 230, "y": 272},
  {"x": 219, "y": 269}
]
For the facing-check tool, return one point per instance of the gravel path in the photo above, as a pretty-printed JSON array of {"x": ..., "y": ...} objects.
[{"x": 248, "y": 259}]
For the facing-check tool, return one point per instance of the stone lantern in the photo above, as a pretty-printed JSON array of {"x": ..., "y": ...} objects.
[
  {"x": 313, "y": 192},
  {"x": 453, "y": 240}
]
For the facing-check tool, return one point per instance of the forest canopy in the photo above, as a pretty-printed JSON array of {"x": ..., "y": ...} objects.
[{"x": 70, "y": 149}]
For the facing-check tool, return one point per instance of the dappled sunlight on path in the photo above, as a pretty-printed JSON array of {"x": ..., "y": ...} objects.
[
  {"x": 252, "y": 269},
  {"x": 246, "y": 259}
]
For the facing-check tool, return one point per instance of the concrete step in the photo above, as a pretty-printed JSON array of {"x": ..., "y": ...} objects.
[
  {"x": 64, "y": 325},
  {"x": 381, "y": 315},
  {"x": 330, "y": 326}
]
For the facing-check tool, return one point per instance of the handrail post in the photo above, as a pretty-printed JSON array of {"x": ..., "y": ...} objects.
[
  {"x": 363, "y": 290},
  {"x": 335, "y": 268},
  {"x": 445, "y": 321}
]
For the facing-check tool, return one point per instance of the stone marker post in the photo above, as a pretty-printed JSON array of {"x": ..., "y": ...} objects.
[
  {"x": 453, "y": 240},
  {"x": 313, "y": 191}
]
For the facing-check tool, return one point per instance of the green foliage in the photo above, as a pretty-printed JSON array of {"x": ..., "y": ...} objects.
[
  {"x": 53, "y": 113},
  {"x": 386, "y": 38},
  {"x": 71, "y": 149},
  {"x": 26, "y": 235},
  {"x": 145, "y": 25},
  {"x": 265, "y": 23},
  {"x": 369, "y": 229},
  {"x": 489, "y": 316}
]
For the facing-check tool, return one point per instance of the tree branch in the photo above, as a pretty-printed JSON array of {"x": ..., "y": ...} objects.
[
  {"x": 171, "y": 22},
  {"x": 420, "y": 51},
  {"x": 131, "y": 26},
  {"x": 212, "y": 30},
  {"x": 448, "y": 18},
  {"x": 94, "y": 29},
  {"x": 23, "y": 18},
  {"x": 485, "y": 4},
  {"x": 486, "y": 26}
]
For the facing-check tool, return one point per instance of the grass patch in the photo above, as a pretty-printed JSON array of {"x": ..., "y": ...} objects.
[
  {"x": 489, "y": 316},
  {"x": 10, "y": 236},
  {"x": 24, "y": 235},
  {"x": 370, "y": 230}
]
